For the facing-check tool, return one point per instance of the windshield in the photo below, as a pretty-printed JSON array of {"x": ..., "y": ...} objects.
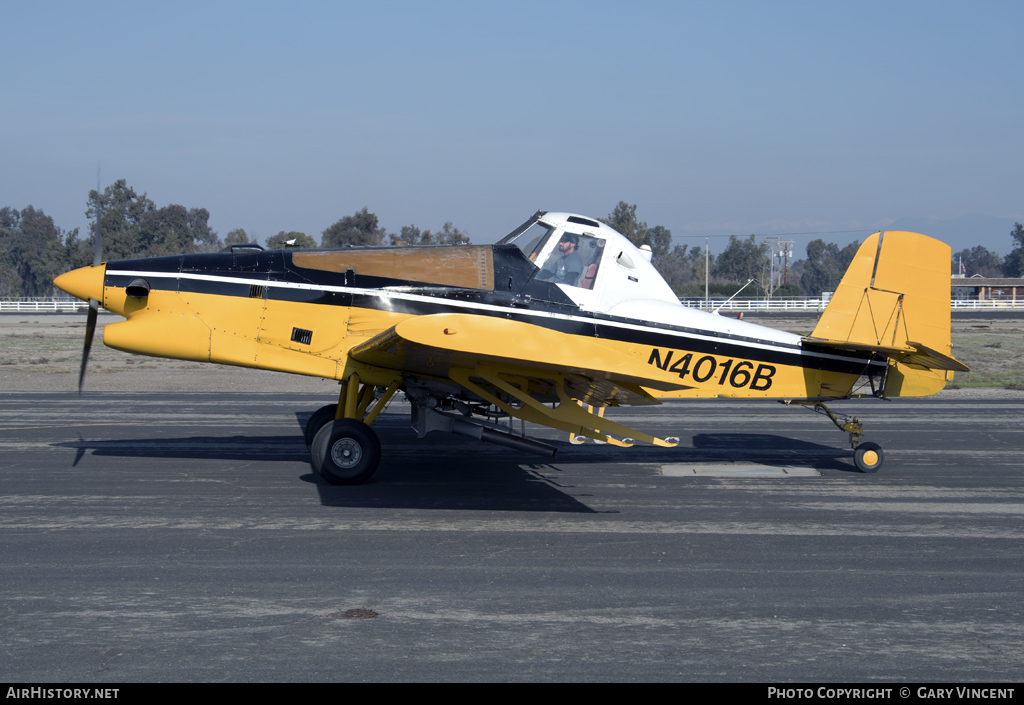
[{"x": 531, "y": 240}]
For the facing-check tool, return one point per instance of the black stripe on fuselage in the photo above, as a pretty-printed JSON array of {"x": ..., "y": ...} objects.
[{"x": 498, "y": 304}]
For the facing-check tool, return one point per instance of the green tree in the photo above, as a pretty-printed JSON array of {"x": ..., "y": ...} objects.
[
  {"x": 675, "y": 267},
  {"x": 450, "y": 235},
  {"x": 623, "y": 219},
  {"x": 237, "y": 237},
  {"x": 280, "y": 240},
  {"x": 978, "y": 260},
  {"x": 133, "y": 226},
  {"x": 32, "y": 252},
  {"x": 447, "y": 235},
  {"x": 701, "y": 264},
  {"x": 10, "y": 282},
  {"x": 411, "y": 235},
  {"x": 1013, "y": 265},
  {"x": 357, "y": 230},
  {"x": 825, "y": 265},
  {"x": 659, "y": 239},
  {"x": 119, "y": 211},
  {"x": 174, "y": 230},
  {"x": 744, "y": 259}
]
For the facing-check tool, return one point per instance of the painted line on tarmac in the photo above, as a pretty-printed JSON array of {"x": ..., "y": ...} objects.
[
  {"x": 873, "y": 529},
  {"x": 203, "y": 422},
  {"x": 737, "y": 470}
]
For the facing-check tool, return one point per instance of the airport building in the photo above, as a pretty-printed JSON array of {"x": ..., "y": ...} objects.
[{"x": 978, "y": 288}]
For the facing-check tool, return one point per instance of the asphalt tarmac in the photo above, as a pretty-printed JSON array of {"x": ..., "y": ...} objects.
[{"x": 184, "y": 537}]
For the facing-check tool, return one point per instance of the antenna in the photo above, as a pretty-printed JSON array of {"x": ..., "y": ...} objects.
[{"x": 731, "y": 297}]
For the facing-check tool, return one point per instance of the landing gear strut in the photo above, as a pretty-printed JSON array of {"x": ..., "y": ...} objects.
[
  {"x": 868, "y": 457},
  {"x": 343, "y": 447}
]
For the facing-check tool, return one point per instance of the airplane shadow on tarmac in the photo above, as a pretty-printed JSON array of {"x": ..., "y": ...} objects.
[
  {"x": 763, "y": 449},
  {"x": 770, "y": 449},
  {"x": 448, "y": 472},
  {"x": 424, "y": 475}
]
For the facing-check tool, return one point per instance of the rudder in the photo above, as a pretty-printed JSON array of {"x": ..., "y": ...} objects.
[{"x": 895, "y": 299}]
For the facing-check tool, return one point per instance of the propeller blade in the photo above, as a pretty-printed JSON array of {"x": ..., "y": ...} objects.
[
  {"x": 90, "y": 321},
  {"x": 90, "y": 330}
]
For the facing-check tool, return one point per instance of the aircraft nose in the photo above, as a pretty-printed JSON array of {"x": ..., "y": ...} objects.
[{"x": 84, "y": 283}]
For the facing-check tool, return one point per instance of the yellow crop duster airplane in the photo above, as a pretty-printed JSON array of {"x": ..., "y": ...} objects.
[{"x": 562, "y": 317}]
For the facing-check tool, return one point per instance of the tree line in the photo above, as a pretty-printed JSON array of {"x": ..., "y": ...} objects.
[
  {"x": 745, "y": 259},
  {"x": 981, "y": 260},
  {"x": 33, "y": 250}
]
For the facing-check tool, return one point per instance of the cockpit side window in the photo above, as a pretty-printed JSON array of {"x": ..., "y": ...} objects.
[
  {"x": 591, "y": 249},
  {"x": 574, "y": 260}
]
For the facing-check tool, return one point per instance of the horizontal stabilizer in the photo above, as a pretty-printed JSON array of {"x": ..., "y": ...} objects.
[{"x": 913, "y": 354}]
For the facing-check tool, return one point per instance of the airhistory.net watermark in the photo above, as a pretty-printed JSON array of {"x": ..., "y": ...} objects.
[{"x": 63, "y": 693}]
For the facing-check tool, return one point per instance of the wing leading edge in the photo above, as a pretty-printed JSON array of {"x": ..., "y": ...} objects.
[{"x": 433, "y": 346}]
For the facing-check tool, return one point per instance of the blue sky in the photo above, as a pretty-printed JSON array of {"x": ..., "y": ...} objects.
[{"x": 712, "y": 118}]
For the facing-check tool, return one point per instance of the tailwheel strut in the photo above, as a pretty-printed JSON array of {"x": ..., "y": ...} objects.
[{"x": 868, "y": 457}]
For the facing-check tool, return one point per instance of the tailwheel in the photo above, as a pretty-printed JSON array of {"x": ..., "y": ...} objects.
[
  {"x": 868, "y": 457},
  {"x": 320, "y": 417},
  {"x": 345, "y": 452}
]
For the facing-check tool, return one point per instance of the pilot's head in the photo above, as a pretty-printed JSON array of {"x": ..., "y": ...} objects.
[{"x": 569, "y": 243}]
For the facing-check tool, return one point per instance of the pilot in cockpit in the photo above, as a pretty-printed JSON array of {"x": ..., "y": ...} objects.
[{"x": 567, "y": 268}]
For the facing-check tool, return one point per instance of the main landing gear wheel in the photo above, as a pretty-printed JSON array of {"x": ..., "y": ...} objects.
[
  {"x": 868, "y": 457},
  {"x": 345, "y": 452},
  {"x": 317, "y": 421}
]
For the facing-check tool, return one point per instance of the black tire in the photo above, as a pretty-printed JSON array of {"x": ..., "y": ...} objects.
[
  {"x": 317, "y": 421},
  {"x": 345, "y": 452},
  {"x": 868, "y": 457}
]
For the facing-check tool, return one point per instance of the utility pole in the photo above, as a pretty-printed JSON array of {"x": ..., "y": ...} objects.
[
  {"x": 785, "y": 265},
  {"x": 772, "y": 243},
  {"x": 787, "y": 250},
  {"x": 776, "y": 244}
]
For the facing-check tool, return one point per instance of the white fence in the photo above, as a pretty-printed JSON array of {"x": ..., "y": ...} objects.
[
  {"x": 801, "y": 303},
  {"x": 795, "y": 304},
  {"x": 776, "y": 305},
  {"x": 1001, "y": 305},
  {"x": 48, "y": 304}
]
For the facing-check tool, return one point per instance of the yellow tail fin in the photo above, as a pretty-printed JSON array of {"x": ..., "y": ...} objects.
[{"x": 894, "y": 299}]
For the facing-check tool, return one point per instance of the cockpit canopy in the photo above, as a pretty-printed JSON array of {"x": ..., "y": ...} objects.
[{"x": 593, "y": 264}]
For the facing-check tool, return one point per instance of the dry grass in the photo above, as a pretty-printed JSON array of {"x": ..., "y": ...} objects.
[
  {"x": 996, "y": 360},
  {"x": 43, "y": 353},
  {"x": 992, "y": 348}
]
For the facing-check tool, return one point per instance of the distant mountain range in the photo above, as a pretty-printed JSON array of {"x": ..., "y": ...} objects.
[{"x": 964, "y": 232}]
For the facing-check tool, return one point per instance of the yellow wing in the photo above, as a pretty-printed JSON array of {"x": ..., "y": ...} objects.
[
  {"x": 519, "y": 368},
  {"x": 432, "y": 345}
]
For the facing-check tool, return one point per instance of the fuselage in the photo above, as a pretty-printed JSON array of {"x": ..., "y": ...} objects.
[{"x": 302, "y": 311}]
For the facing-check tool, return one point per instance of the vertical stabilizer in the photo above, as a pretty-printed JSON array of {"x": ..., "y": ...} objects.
[
  {"x": 894, "y": 298},
  {"x": 895, "y": 292}
]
